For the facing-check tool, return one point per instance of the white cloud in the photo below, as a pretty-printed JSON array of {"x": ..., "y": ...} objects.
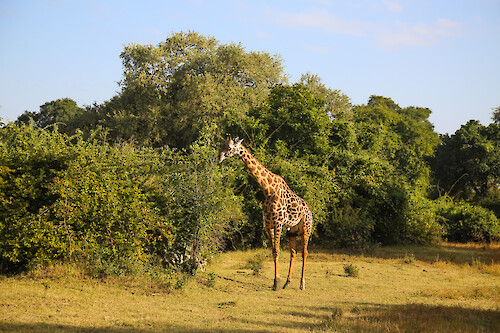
[
  {"x": 317, "y": 49},
  {"x": 322, "y": 20},
  {"x": 264, "y": 35},
  {"x": 393, "y": 6},
  {"x": 324, "y": 2},
  {"x": 387, "y": 35},
  {"x": 420, "y": 35},
  {"x": 152, "y": 32}
]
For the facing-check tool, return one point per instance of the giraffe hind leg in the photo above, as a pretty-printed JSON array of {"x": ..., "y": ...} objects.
[
  {"x": 293, "y": 254},
  {"x": 305, "y": 240}
]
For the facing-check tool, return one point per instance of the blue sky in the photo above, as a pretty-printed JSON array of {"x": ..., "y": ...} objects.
[{"x": 444, "y": 55}]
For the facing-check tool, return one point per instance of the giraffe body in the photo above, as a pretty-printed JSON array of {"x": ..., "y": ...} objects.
[{"x": 282, "y": 209}]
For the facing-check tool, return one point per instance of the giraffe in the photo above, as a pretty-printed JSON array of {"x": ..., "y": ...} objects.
[{"x": 282, "y": 208}]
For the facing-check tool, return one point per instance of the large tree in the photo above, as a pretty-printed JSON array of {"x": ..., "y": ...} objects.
[
  {"x": 171, "y": 90},
  {"x": 64, "y": 113},
  {"x": 467, "y": 163},
  {"x": 403, "y": 136},
  {"x": 292, "y": 120}
]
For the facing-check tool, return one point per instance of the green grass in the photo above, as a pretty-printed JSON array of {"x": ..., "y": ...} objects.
[{"x": 446, "y": 288}]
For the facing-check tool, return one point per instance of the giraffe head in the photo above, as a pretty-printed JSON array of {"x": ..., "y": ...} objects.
[{"x": 230, "y": 148}]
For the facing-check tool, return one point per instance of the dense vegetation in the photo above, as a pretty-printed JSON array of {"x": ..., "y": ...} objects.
[{"x": 134, "y": 183}]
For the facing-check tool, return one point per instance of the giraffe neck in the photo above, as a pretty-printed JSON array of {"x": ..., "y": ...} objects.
[{"x": 267, "y": 180}]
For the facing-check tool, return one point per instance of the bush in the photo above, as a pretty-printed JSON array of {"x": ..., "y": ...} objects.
[
  {"x": 464, "y": 222},
  {"x": 351, "y": 270},
  {"x": 424, "y": 222},
  {"x": 117, "y": 208},
  {"x": 29, "y": 161},
  {"x": 256, "y": 263},
  {"x": 351, "y": 228}
]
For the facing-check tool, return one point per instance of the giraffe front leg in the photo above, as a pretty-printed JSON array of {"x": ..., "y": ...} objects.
[
  {"x": 292, "y": 240},
  {"x": 276, "y": 254}
]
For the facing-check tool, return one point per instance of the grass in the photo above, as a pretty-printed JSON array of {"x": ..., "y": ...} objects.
[{"x": 448, "y": 288}]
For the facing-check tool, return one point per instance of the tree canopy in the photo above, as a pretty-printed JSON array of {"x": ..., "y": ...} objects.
[
  {"x": 171, "y": 90},
  {"x": 134, "y": 182}
]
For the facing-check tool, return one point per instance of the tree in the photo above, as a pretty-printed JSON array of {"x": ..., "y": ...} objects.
[
  {"x": 171, "y": 90},
  {"x": 467, "y": 163},
  {"x": 64, "y": 113},
  {"x": 337, "y": 104},
  {"x": 403, "y": 136},
  {"x": 292, "y": 120},
  {"x": 496, "y": 115}
]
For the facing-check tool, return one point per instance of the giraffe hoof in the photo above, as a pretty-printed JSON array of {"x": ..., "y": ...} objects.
[
  {"x": 303, "y": 285},
  {"x": 276, "y": 282},
  {"x": 286, "y": 284}
]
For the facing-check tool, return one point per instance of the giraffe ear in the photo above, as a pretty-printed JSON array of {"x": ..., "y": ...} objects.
[{"x": 238, "y": 141}]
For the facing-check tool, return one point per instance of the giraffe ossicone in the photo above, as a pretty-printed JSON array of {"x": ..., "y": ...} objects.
[{"x": 282, "y": 209}]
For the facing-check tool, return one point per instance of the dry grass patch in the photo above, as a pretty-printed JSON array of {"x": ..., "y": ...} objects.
[
  {"x": 478, "y": 292},
  {"x": 411, "y": 318},
  {"x": 392, "y": 292}
]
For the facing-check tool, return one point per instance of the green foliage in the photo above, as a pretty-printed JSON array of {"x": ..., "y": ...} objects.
[
  {"x": 337, "y": 105},
  {"x": 372, "y": 201},
  {"x": 65, "y": 114},
  {"x": 351, "y": 270},
  {"x": 203, "y": 208},
  {"x": 464, "y": 222},
  {"x": 351, "y": 228},
  {"x": 171, "y": 90},
  {"x": 467, "y": 163},
  {"x": 133, "y": 184},
  {"x": 256, "y": 263},
  {"x": 403, "y": 136},
  {"x": 29, "y": 160},
  {"x": 424, "y": 221},
  {"x": 496, "y": 115},
  {"x": 105, "y": 212},
  {"x": 115, "y": 207},
  {"x": 292, "y": 122}
]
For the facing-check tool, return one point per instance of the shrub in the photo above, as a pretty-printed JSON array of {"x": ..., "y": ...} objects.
[
  {"x": 211, "y": 280},
  {"x": 117, "y": 208},
  {"x": 424, "y": 222},
  {"x": 408, "y": 259},
  {"x": 29, "y": 161},
  {"x": 351, "y": 228},
  {"x": 464, "y": 222},
  {"x": 351, "y": 270},
  {"x": 256, "y": 263}
]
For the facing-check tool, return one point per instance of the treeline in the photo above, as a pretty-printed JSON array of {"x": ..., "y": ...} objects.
[{"x": 134, "y": 182}]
